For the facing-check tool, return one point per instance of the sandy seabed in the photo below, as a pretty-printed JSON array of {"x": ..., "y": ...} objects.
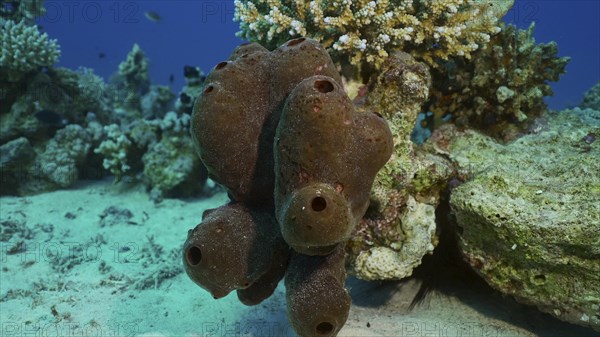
[{"x": 103, "y": 260}]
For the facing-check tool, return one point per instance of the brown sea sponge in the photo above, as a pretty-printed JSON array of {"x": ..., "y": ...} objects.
[
  {"x": 318, "y": 303},
  {"x": 279, "y": 132},
  {"x": 326, "y": 157},
  {"x": 264, "y": 287},
  {"x": 232, "y": 248},
  {"x": 235, "y": 117}
]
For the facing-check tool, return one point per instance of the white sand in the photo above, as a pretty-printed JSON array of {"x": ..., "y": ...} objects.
[{"x": 75, "y": 277}]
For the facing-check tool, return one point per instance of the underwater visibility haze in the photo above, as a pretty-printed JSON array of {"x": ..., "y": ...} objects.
[{"x": 300, "y": 168}]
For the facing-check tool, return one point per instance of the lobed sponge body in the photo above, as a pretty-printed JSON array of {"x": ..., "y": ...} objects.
[
  {"x": 327, "y": 155},
  {"x": 318, "y": 303},
  {"x": 279, "y": 132},
  {"x": 242, "y": 100},
  {"x": 232, "y": 248}
]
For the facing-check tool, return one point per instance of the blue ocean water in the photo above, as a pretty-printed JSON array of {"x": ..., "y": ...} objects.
[{"x": 202, "y": 33}]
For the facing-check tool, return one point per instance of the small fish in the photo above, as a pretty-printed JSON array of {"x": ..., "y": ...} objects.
[
  {"x": 191, "y": 72},
  {"x": 152, "y": 16},
  {"x": 51, "y": 118},
  {"x": 101, "y": 55},
  {"x": 171, "y": 78}
]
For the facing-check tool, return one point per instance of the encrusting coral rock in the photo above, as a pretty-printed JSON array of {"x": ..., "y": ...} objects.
[
  {"x": 278, "y": 131},
  {"x": 399, "y": 227},
  {"x": 365, "y": 31},
  {"x": 529, "y": 221},
  {"x": 591, "y": 99}
]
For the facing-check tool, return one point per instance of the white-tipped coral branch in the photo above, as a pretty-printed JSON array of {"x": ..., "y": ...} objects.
[{"x": 363, "y": 31}]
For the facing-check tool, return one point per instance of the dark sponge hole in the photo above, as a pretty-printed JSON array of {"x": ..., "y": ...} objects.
[
  {"x": 296, "y": 41},
  {"x": 323, "y": 86},
  {"x": 221, "y": 65},
  {"x": 208, "y": 89},
  {"x": 318, "y": 204},
  {"x": 193, "y": 255},
  {"x": 324, "y": 328}
]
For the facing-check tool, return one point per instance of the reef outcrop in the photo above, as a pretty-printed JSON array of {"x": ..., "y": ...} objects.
[{"x": 528, "y": 212}]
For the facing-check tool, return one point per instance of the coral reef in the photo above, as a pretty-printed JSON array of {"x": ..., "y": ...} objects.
[
  {"x": 41, "y": 116},
  {"x": 67, "y": 94},
  {"x": 15, "y": 156},
  {"x": 365, "y": 32},
  {"x": 194, "y": 78},
  {"x": 147, "y": 140},
  {"x": 399, "y": 226},
  {"x": 591, "y": 99},
  {"x": 131, "y": 82},
  {"x": 26, "y": 10},
  {"x": 64, "y": 153},
  {"x": 169, "y": 169},
  {"x": 128, "y": 123},
  {"x": 501, "y": 89},
  {"x": 528, "y": 212},
  {"x": 305, "y": 157},
  {"x": 158, "y": 152},
  {"x": 23, "y": 48}
]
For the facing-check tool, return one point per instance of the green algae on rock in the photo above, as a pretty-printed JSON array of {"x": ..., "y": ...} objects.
[{"x": 529, "y": 213}]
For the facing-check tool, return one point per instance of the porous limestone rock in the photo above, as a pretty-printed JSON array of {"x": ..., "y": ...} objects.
[
  {"x": 399, "y": 226},
  {"x": 397, "y": 261},
  {"x": 529, "y": 212}
]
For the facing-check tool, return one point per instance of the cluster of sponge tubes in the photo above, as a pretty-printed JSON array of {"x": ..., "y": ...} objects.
[{"x": 279, "y": 132}]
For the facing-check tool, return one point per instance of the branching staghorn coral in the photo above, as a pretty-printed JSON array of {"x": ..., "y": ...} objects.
[{"x": 365, "y": 31}]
